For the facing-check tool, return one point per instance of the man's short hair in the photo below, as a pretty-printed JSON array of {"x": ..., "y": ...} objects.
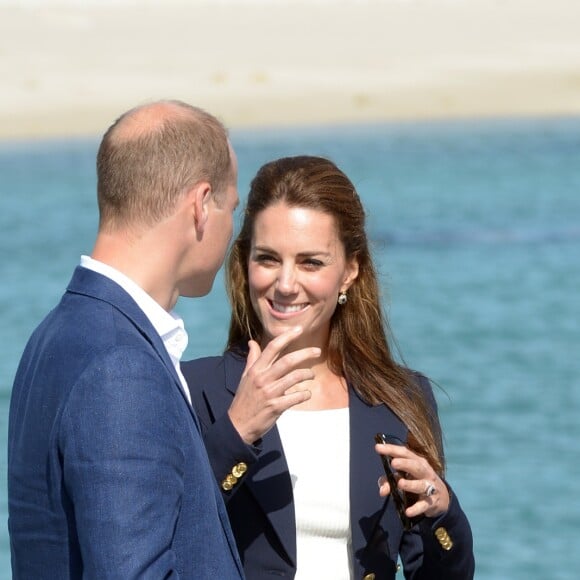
[{"x": 152, "y": 155}]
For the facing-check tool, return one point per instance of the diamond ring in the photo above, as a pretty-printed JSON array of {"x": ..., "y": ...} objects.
[{"x": 430, "y": 490}]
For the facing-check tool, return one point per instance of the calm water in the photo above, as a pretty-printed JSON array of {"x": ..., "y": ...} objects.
[{"x": 476, "y": 231}]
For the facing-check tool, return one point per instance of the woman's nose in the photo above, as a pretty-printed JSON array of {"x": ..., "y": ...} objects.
[{"x": 286, "y": 283}]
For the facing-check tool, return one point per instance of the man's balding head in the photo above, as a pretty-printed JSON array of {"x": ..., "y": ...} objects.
[{"x": 152, "y": 155}]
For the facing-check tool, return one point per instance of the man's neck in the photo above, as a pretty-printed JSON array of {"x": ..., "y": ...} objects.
[{"x": 143, "y": 260}]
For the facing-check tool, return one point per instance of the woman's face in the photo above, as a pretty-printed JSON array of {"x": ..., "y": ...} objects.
[{"x": 297, "y": 268}]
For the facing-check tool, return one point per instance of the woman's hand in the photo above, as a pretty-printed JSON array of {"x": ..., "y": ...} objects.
[
  {"x": 417, "y": 477},
  {"x": 272, "y": 382}
]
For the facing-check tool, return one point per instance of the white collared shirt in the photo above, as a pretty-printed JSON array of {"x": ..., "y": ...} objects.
[{"x": 168, "y": 325}]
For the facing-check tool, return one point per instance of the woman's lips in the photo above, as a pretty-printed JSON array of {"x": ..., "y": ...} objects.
[{"x": 281, "y": 308}]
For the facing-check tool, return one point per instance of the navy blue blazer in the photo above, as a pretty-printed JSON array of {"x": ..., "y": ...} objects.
[
  {"x": 258, "y": 491},
  {"x": 108, "y": 476}
]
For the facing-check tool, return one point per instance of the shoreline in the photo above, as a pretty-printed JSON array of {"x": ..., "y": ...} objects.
[
  {"x": 51, "y": 128},
  {"x": 70, "y": 70}
]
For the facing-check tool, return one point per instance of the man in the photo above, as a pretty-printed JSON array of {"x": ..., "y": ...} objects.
[{"x": 107, "y": 473}]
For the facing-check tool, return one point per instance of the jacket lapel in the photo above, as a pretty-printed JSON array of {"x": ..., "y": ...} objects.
[
  {"x": 366, "y": 506},
  {"x": 271, "y": 485},
  {"x": 95, "y": 285}
]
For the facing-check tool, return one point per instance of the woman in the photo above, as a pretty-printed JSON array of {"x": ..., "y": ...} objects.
[{"x": 302, "y": 495}]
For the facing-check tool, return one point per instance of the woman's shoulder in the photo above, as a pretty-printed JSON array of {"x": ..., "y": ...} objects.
[
  {"x": 202, "y": 363},
  {"x": 212, "y": 365},
  {"x": 420, "y": 378},
  {"x": 424, "y": 384}
]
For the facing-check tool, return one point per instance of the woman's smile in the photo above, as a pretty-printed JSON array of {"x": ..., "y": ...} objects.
[{"x": 281, "y": 308}]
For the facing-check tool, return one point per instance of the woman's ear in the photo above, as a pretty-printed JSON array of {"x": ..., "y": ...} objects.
[{"x": 351, "y": 274}]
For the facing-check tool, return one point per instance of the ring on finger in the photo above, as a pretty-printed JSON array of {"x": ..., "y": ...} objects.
[{"x": 430, "y": 489}]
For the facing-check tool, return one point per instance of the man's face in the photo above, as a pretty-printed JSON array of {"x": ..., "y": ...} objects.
[
  {"x": 220, "y": 223},
  {"x": 217, "y": 233}
]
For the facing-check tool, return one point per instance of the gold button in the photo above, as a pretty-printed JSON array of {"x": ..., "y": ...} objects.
[
  {"x": 370, "y": 576},
  {"x": 229, "y": 482},
  {"x": 444, "y": 539},
  {"x": 240, "y": 469}
]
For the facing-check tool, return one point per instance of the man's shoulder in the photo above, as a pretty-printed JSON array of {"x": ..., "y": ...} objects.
[
  {"x": 80, "y": 328},
  {"x": 90, "y": 317}
]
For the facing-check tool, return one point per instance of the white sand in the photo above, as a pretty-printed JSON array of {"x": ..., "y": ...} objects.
[{"x": 70, "y": 69}]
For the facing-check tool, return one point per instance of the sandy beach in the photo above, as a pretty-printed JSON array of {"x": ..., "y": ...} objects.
[{"x": 69, "y": 68}]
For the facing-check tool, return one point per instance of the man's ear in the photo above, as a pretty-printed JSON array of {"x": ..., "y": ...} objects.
[{"x": 200, "y": 196}]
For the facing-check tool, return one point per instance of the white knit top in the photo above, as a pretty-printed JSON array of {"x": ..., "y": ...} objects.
[{"x": 317, "y": 445}]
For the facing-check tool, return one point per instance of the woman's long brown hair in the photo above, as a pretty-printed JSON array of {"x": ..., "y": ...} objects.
[{"x": 358, "y": 344}]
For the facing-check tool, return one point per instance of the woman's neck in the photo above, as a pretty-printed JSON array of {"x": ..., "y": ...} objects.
[{"x": 328, "y": 390}]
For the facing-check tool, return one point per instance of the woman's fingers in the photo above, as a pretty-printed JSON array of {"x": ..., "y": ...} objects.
[{"x": 416, "y": 477}]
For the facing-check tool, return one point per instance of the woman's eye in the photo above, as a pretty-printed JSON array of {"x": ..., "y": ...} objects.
[
  {"x": 262, "y": 258},
  {"x": 312, "y": 263}
]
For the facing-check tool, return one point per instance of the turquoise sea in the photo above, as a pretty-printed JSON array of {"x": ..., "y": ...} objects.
[{"x": 476, "y": 232}]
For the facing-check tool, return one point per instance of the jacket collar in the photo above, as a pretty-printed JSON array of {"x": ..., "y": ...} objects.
[{"x": 94, "y": 285}]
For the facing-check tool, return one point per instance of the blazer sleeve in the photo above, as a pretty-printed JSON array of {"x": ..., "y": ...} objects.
[
  {"x": 122, "y": 448},
  {"x": 230, "y": 457},
  {"x": 439, "y": 547}
]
